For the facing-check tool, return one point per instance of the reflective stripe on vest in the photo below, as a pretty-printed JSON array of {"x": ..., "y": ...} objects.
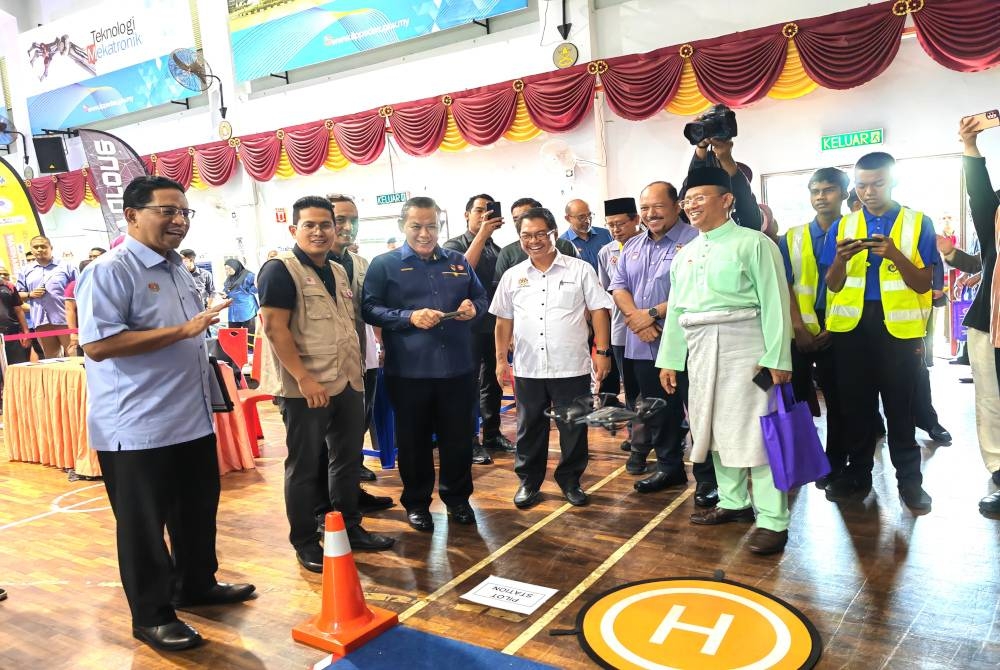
[
  {"x": 905, "y": 311},
  {"x": 805, "y": 274}
]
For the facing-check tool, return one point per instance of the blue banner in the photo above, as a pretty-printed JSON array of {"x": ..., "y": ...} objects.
[
  {"x": 105, "y": 96},
  {"x": 270, "y": 37}
]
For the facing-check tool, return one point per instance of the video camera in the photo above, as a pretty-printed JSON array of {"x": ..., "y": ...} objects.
[{"x": 717, "y": 123}]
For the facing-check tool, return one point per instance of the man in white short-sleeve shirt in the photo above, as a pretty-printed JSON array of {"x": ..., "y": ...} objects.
[{"x": 542, "y": 304}]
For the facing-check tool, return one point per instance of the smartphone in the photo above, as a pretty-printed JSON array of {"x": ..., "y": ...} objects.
[
  {"x": 493, "y": 210},
  {"x": 869, "y": 239},
  {"x": 763, "y": 379},
  {"x": 990, "y": 119}
]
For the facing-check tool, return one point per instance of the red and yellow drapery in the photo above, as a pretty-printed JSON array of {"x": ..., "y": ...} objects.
[{"x": 783, "y": 61}]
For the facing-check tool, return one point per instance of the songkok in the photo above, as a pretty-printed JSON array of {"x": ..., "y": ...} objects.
[
  {"x": 709, "y": 176},
  {"x": 620, "y": 206}
]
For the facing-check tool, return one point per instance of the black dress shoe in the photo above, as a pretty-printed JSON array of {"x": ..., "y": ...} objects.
[
  {"x": 3, "y": 594},
  {"x": 706, "y": 494},
  {"x": 462, "y": 513},
  {"x": 659, "y": 481},
  {"x": 362, "y": 540},
  {"x": 527, "y": 497},
  {"x": 845, "y": 488},
  {"x": 939, "y": 434},
  {"x": 959, "y": 361},
  {"x": 173, "y": 636},
  {"x": 479, "y": 454},
  {"x": 990, "y": 504},
  {"x": 576, "y": 496},
  {"x": 369, "y": 503},
  {"x": 311, "y": 557},
  {"x": 367, "y": 475},
  {"x": 636, "y": 464},
  {"x": 626, "y": 445},
  {"x": 996, "y": 477},
  {"x": 421, "y": 520},
  {"x": 220, "y": 594},
  {"x": 500, "y": 443},
  {"x": 915, "y": 497}
]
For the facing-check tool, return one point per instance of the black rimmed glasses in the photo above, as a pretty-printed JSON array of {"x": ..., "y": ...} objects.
[{"x": 170, "y": 211}]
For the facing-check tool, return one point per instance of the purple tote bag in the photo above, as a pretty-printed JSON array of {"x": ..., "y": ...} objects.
[{"x": 793, "y": 448}]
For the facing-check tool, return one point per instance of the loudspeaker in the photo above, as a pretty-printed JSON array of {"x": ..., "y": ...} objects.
[{"x": 51, "y": 153}]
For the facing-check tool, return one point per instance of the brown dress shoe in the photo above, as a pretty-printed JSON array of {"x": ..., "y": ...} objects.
[
  {"x": 717, "y": 515},
  {"x": 763, "y": 541}
]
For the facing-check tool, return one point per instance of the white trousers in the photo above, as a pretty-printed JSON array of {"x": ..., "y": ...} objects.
[{"x": 984, "y": 376}]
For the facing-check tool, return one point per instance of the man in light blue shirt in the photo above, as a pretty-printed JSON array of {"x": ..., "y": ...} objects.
[
  {"x": 149, "y": 414},
  {"x": 42, "y": 284},
  {"x": 581, "y": 234}
]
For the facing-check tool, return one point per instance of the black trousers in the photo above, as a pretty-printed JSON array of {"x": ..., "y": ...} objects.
[
  {"x": 629, "y": 381},
  {"x": 176, "y": 487},
  {"x": 870, "y": 362},
  {"x": 425, "y": 408},
  {"x": 330, "y": 435},
  {"x": 490, "y": 394},
  {"x": 534, "y": 396},
  {"x": 371, "y": 383},
  {"x": 924, "y": 414},
  {"x": 664, "y": 431},
  {"x": 808, "y": 368},
  {"x": 16, "y": 352}
]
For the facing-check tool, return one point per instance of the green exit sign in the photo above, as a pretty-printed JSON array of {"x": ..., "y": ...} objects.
[
  {"x": 392, "y": 198},
  {"x": 858, "y": 138}
]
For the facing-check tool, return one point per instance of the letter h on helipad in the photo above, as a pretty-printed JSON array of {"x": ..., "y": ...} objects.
[{"x": 672, "y": 621}]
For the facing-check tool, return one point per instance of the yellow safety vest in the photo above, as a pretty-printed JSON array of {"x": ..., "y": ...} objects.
[
  {"x": 805, "y": 274},
  {"x": 905, "y": 310}
]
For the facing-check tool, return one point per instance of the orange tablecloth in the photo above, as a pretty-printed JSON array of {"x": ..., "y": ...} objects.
[{"x": 45, "y": 419}]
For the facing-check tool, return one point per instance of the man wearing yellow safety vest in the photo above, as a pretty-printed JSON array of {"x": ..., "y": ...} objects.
[
  {"x": 812, "y": 355},
  {"x": 878, "y": 265}
]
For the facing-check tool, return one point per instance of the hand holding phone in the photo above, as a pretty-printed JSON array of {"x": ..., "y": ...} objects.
[
  {"x": 985, "y": 120},
  {"x": 763, "y": 379},
  {"x": 450, "y": 315},
  {"x": 493, "y": 210}
]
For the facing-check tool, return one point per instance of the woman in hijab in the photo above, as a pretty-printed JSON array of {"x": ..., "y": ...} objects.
[{"x": 240, "y": 287}]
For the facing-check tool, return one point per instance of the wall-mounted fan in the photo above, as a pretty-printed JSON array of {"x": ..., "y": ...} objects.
[
  {"x": 7, "y": 137},
  {"x": 190, "y": 69}
]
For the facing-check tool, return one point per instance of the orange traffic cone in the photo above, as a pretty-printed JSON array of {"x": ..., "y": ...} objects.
[{"x": 345, "y": 622}]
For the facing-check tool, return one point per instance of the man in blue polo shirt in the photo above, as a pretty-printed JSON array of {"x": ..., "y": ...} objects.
[
  {"x": 149, "y": 414},
  {"x": 426, "y": 301},
  {"x": 812, "y": 356},
  {"x": 587, "y": 239},
  {"x": 878, "y": 264}
]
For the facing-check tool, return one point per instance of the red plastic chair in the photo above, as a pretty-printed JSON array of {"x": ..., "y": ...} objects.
[
  {"x": 234, "y": 342},
  {"x": 248, "y": 398}
]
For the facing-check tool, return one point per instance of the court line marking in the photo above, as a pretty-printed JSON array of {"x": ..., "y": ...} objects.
[
  {"x": 56, "y": 508},
  {"x": 599, "y": 572},
  {"x": 525, "y": 534}
]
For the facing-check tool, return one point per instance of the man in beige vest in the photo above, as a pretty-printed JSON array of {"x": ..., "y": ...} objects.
[{"x": 314, "y": 368}]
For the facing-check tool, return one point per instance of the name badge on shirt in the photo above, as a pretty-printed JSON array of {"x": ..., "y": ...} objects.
[
  {"x": 522, "y": 282},
  {"x": 348, "y": 293},
  {"x": 310, "y": 280},
  {"x": 154, "y": 287}
]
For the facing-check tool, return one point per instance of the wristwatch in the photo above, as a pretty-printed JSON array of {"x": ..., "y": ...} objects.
[
  {"x": 603, "y": 352},
  {"x": 653, "y": 312}
]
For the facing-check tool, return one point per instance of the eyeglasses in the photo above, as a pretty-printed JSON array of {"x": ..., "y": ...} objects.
[
  {"x": 430, "y": 229},
  {"x": 311, "y": 226},
  {"x": 535, "y": 237},
  {"x": 696, "y": 200},
  {"x": 170, "y": 212},
  {"x": 583, "y": 218}
]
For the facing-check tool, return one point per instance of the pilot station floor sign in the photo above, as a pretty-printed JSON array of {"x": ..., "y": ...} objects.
[{"x": 695, "y": 624}]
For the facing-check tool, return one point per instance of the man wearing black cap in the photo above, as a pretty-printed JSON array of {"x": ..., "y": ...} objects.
[
  {"x": 622, "y": 219},
  {"x": 641, "y": 287},
  {"x": 727, "y": 318}
]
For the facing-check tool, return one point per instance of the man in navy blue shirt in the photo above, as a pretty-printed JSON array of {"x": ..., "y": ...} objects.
[
  {"x": 879, "y": 267},
  {"x": 426, "y": 301},
  {"x": 587, "y": 239}
]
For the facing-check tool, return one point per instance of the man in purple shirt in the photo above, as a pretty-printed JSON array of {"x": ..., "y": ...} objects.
[
  {"x": 42, "y": 284},
  {"x": 640, "y": 288}
]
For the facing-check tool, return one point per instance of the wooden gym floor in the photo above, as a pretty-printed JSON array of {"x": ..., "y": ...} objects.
[{"x": 886, "y": 589}]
